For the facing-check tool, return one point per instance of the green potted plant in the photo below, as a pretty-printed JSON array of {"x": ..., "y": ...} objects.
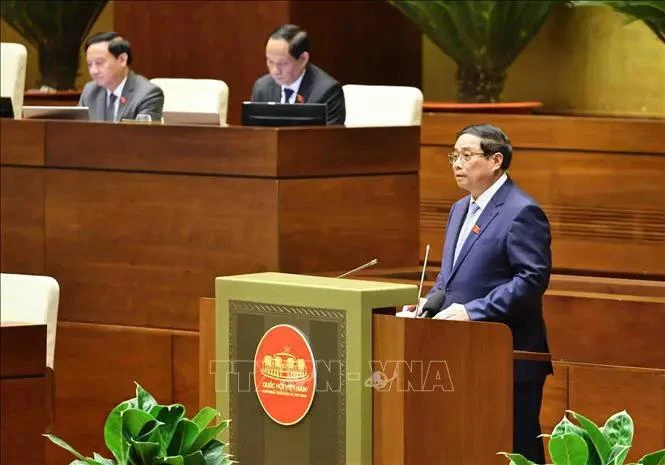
[
  {"x": 139, "y": 431},
  {"x": 57, "y": 29},
  {"x": 652, "y": 12},
  {"x": 589, "y": 444},
  {"x": 482, "y": 37}
]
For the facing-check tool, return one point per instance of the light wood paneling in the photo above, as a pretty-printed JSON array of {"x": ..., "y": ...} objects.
[{"x": 186, "y": 371}]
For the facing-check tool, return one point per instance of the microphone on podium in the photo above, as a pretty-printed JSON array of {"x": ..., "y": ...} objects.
[{"x": 361, "y": 267}]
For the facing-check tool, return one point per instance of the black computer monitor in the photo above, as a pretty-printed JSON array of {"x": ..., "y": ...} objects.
[
  {"x": 283, "y": 114},
  {"x": 6, "y": 108}
]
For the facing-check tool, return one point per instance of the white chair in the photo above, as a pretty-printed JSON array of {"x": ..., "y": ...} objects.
[
  {"x": 382, "y": 105},
  {"x": 195, "y": 96},
  {"x": 13, "y": 58},
  {"x": 31, "y": 299}
]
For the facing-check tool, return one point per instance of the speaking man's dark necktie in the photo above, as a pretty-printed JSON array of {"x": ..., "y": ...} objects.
[
  {"x": 287, "y": 95},
  {"x": 109, "y": 111}
]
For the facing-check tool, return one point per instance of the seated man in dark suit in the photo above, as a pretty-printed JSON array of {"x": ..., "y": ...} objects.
[
  {"x": 116, "y": 92},
  {"x": 293, "y": 79}
]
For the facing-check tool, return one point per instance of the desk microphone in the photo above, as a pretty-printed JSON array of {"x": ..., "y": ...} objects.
[
  {"x": 361, "y": 267},
  {"x": 422, "y": 278}
]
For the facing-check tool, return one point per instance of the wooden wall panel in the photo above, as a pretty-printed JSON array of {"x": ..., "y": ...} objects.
[
  {"x": 362, "y": 42},
  {"x": 555, "y": 398},
  {"x": 598, "y": 392},
  {"x": 610, "y": 330},
  {"x": 226, "y": 40},
  {"x": 22, "y": 217},
  {"x": 314, "y": 217},
  {"x": 598, "y": 179},
  {"x": 95, "y": 369},
  {"x": 140, "y": 249}
]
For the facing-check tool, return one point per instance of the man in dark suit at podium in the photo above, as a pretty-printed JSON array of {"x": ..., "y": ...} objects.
[
  {"x": 116, "y": 92},
  {"x": 292, "y": 78},
  {"x": 496, "y": 266}
]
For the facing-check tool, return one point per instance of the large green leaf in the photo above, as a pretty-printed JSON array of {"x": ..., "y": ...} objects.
[
  {"x": 57, "y": 441},
  {"x": 113, "y": 432},
  {"x": 205, "y": 436},
  {"x": 515, "y": 459},
  {"x": 144, "y": 399},
  {"x": 568, "y": 449},
  {"x": 617, "y": 455},
  {"x": 102, "y": 460},
  {"x": 618, "y": 429},
  {"x": 566, "y": 426},
  {"x": 143, "y": 453},
  {"x": 173, "y": 460},
  {"x": 137, "y": 423},
  {"x": 205, "y": 416},
  {"x": 195, "y": 459},
  {"x": 168, "y": 415},
  {"x": 654, "y": 458},
  {"x": 185, "y": 433},
  {"x": 599, "y": 441},
  {"x": 214, "y": 454}
]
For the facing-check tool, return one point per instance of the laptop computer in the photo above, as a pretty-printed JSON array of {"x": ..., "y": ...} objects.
[
  {"x": 47, "y": 112},
  {"x": 283, "y": 114},
  {"x": 190, "y": 118}
]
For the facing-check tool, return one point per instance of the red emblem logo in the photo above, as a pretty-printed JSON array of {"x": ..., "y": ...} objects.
[
  {"x": 285, "y": 374},
  {"x": 476, "y": 229},
  {"x": 300, "y": 98},
  {"x": 123, "y": 100}
]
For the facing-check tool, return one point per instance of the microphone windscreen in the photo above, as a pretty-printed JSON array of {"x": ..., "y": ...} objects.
[{"x": 434, "y": 302}]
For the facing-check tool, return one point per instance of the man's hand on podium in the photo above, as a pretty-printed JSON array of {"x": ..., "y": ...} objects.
[
  {"x": 453, "y": 312},
  {"x": 409, "y": 311}
]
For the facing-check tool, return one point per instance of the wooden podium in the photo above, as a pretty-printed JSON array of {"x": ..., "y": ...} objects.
[{"x": 388, "y": 390}]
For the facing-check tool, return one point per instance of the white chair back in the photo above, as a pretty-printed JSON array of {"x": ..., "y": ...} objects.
[
  {"x": 382, "y": 105},
  {"x": 195, "y": 96},
  {"x": 13, "y": 58},
  {"x": 31, "y": 299}
]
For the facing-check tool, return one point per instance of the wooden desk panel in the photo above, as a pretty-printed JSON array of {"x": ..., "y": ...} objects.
[
  {"x": 318, "y": 227},
  {"x": 22, "y": 403},
  {"x": 598, "y": 392},
  {"x": 22, "y": 144},
  {"x": 140, "y": 249},
  {"x": 22, "y": 350},
  {"x": 246, "y": 151},
  {"x": 608, "y": 329},
  {"x": 22, "y": 218}
]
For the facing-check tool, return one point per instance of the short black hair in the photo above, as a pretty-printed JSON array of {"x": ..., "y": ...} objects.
[
  {"x": 295, "y": 36},
  {"x": 117, "y": 45},
  {"x": 492, "y": 140}
]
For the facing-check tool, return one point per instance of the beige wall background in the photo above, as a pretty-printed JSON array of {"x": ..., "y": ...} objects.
[
  {"x": 584, "y": 61},
  {"x": 9, "y": 34}
]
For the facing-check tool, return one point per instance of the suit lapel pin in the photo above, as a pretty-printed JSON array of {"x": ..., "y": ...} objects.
[
  {"x": 300, "y": 98},
  {"x": 476, "y": 229},
  {"x": 123, "y": 100}
]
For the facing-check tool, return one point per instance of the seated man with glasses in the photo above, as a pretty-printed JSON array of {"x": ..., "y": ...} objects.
[{"x": 496, "y": 266}]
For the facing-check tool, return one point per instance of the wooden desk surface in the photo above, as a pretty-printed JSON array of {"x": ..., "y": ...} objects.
[{"x": 22, "y": 349}]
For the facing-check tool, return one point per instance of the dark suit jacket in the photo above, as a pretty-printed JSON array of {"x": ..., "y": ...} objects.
[
  {"x": 502, "y": 270},
  {"x": 316, "y": 87},
  {"x": 141, "y": 95}
]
